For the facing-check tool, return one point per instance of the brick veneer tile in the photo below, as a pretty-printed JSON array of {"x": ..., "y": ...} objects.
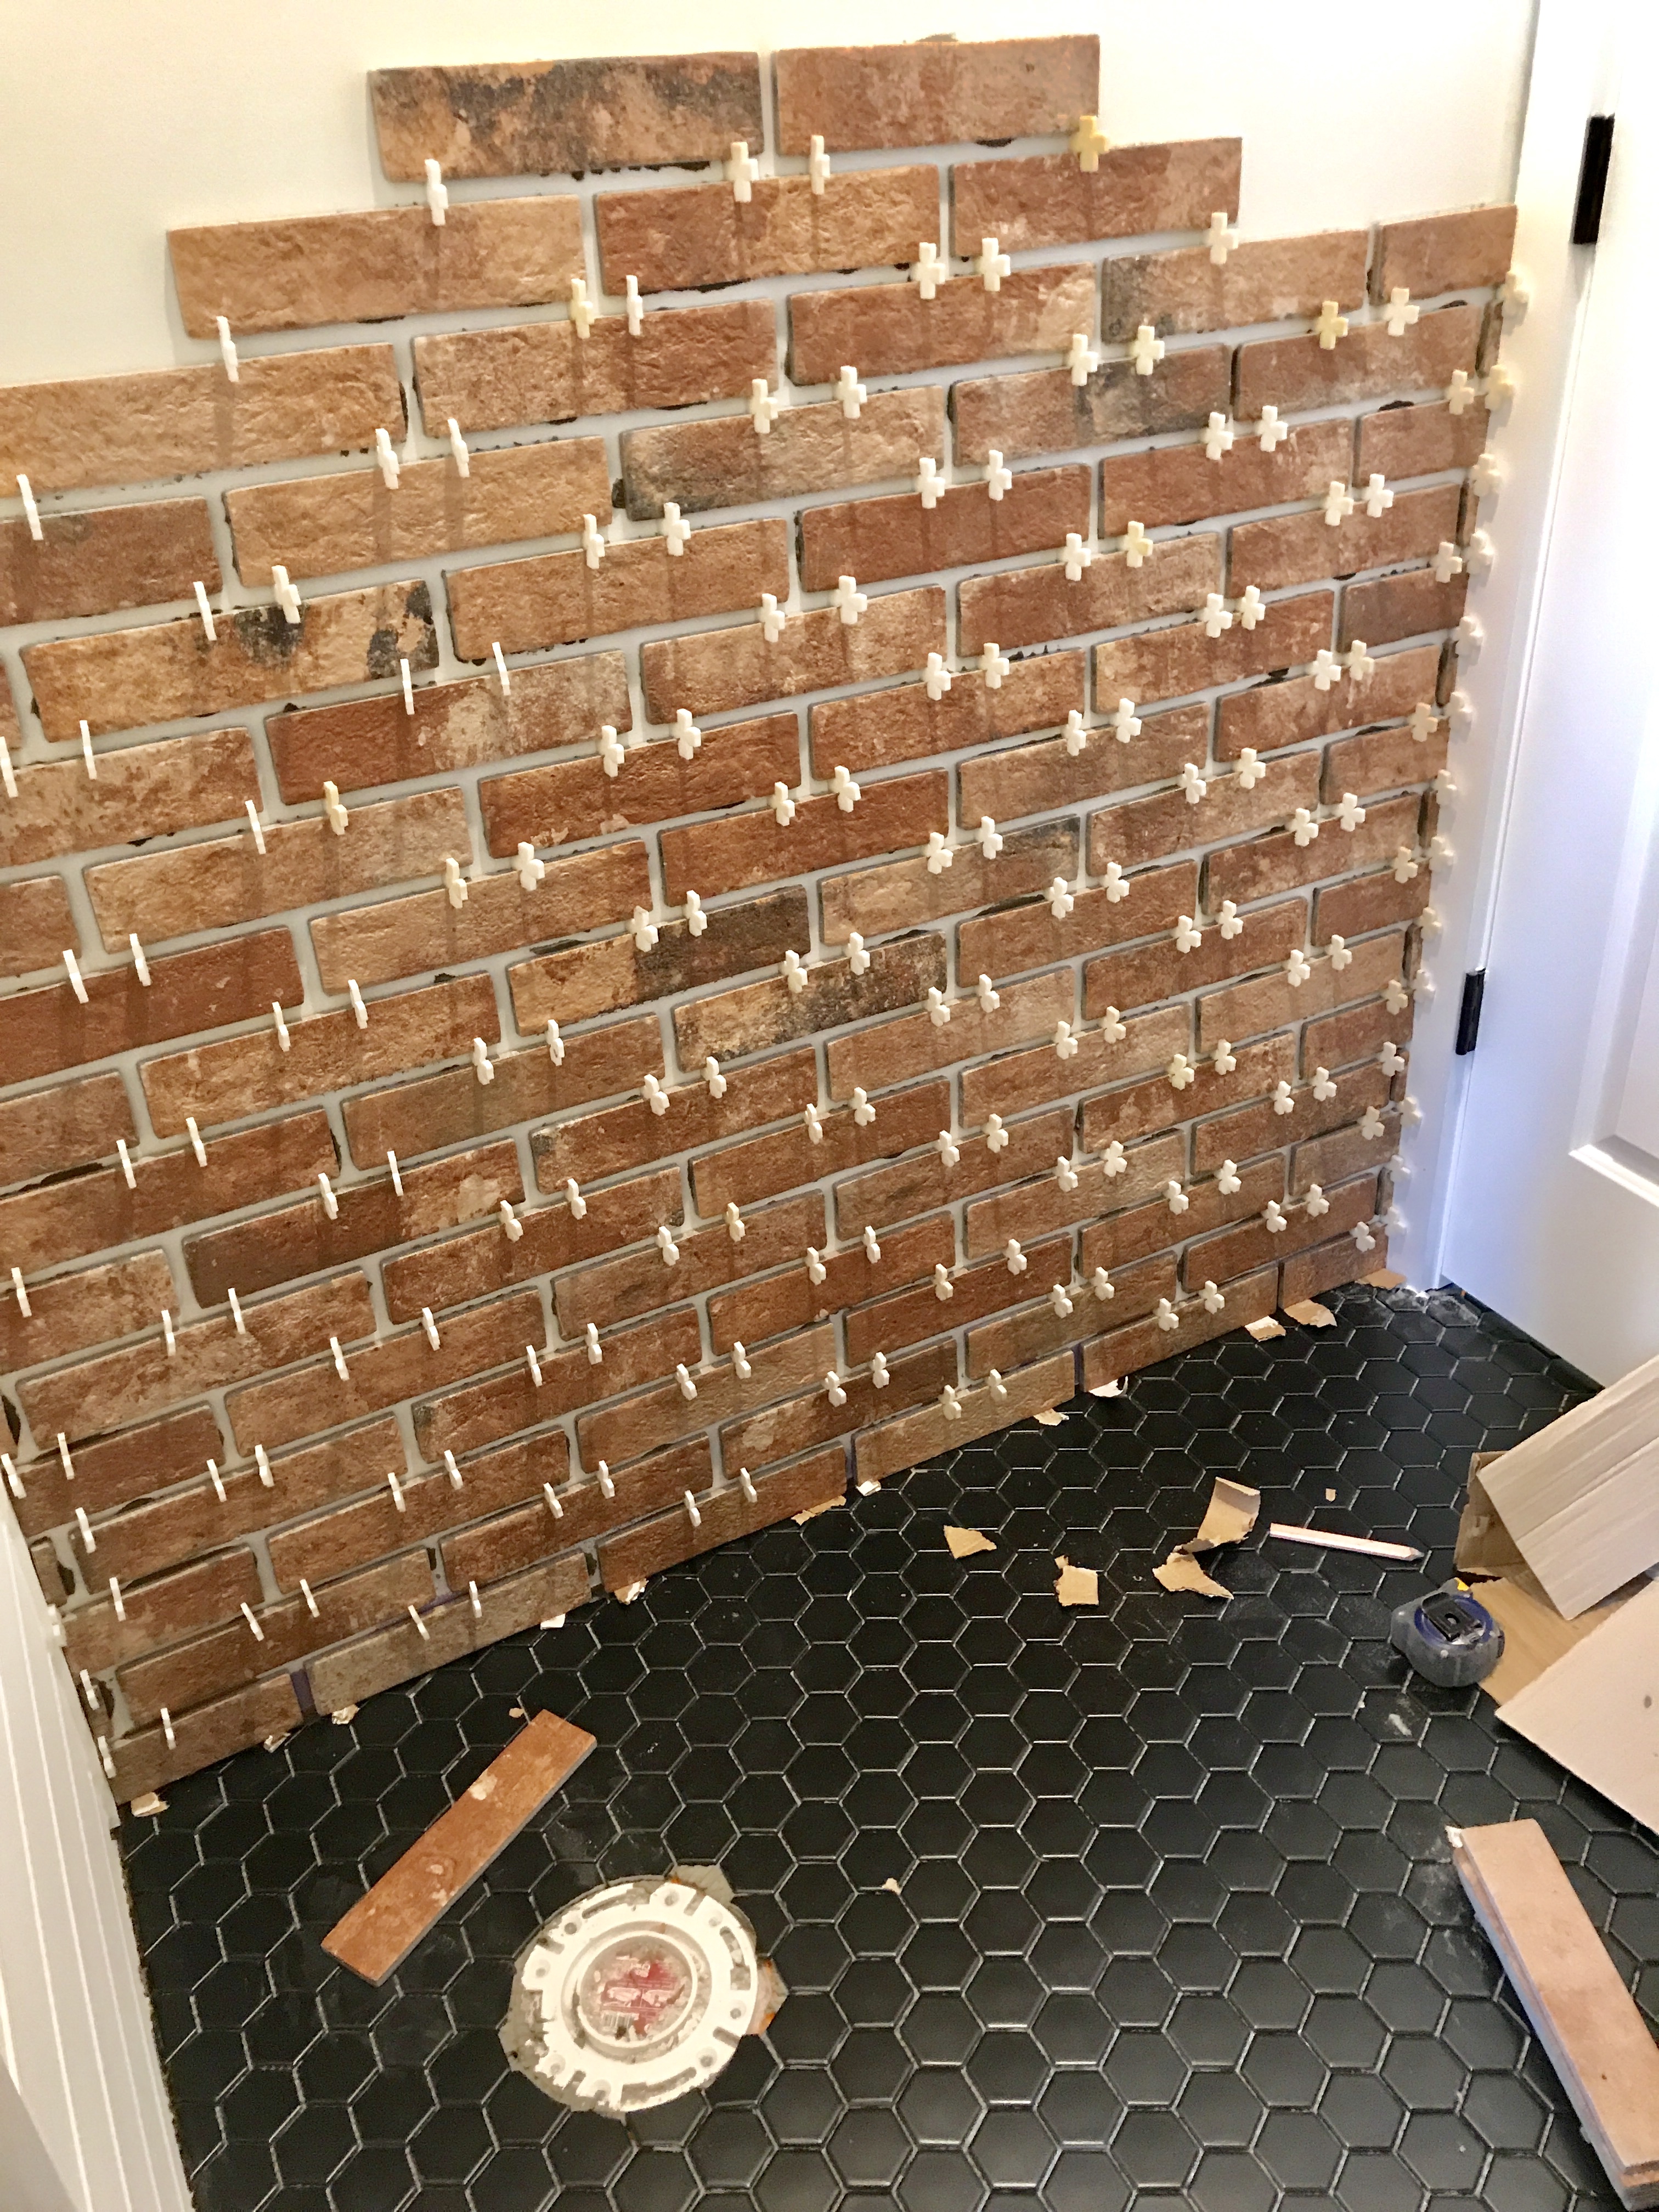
[
  {"x": 1140, "y": 829},
  {"x": 638, "y": 1424},
  {"x": 1277, "y": 863},
  {"x": 766, "y": 1165},
  {"x": 914, "y": 1185},
  {"x": 893, "y": 1052},
  {"x": 1355, "y": 1033},
  {"x": 1405, "y": 606},
  {"x": 724, "y": 463},
  {"x": 71, "y": 1312},
  {"x": 324, "y": 526},
  {"x": 452, "y": 1106},
  {"x": 599, "y": 977},
  {"x": 357, "y": 1670},
  {"x": 913, "y": 1314},
  {"x": 1045, "y": 199},
  {"x": 1296, "y": 372},
  {"x": 640, "y": 1281},
  {"x": 1257, "y": 1129},
  {"x": 1294, "y": 549},
  {"x": 1265, "y": 280},
  {"x": 1144, "y": 1343},
  {"x": 1140, "y": 1231},
  {"x": 710, "y": 671},
  {"x": 726, "y": 1515},
  {"x": 1024, "y": 606},
  {"x": 1042, "y": 411},
  {"x": 1373, "y": 902},
  {"x": 1182, "y": 483},
  {"x": 119, "y": 1386},
  {"x": 1030, "y": 1210},
  {"x": 1253, "y": 1244},
  {"x": 876, "y": 539},
  {"x": 1343, "y": 1152},
  {"x": 327, "y": 1052},
  {"x": 1138, "y": 1108},
  {"x": 555, "y": 598},
  {"x": 102, "y": 558},
  {"x": 369, "y": 266},
  {"x": 885, "y": 329},
  {"x": 1420, "y": 442},
  {"x": 546, "y": 372},
  {"x": 1157, "y": 970},
  {"x": 1016, "y": 1338},
  {"x": 479, "y": 1412},
  {"x": 45, "y": 1030},
  {"x": 1031, "y": 779},
  {"x": 95, "y": 1212},
  {"x": 465, "y": 1268},
  {"x": 572, "y": 799},
  {"x": 1027, "y": 1078},
  {"x": 536, "y": 118},
  {"x": 514, "y": 1540},
  {"x": 763, "y": 1439},
  {"x": 878, "y": 728},
  {"x": 145, "y": 1762},
  {"x": 183, "y": 421},
  {"x": 1310, "y": 1274},
  {"x": 699, "y": 234},
  {"x": 1004, "y": 944},
  {"x": 765, "y": 1308},
  {"x": 142, "y": 791},
  {"x": 919, "y": 1436},
  {"x": 1287, "y": 714},
  {"x": 934, "y": 93},
  {"x": 598, "y": 1145},
  {"x": 314, "y": 1397},
  {"x": 1382, "y": 760},
  {"x": 227, "y": 1657},
  {"x": 121, "y": 679},
  {"x": 423, "y": 932},
  {"x": 369, "y": 741},
  {"x": 114, "y": 1469},
  {"x": 902, "y": 893},
  {"x": 35, "y": 925},
  {"x": 218, "y": 883},
  {"x": 369, "y": 1526},
  {"x": 1166, "y": 664},
  {"x": 755, "y": 1015},
  {"x": 301, "y": 1240},
  {"x": 73, "y": 1123},
  {"x": 1270, "y": 1002},
  {"x": 752, "y": 847},
  {"x": 161, "y": 1532},
  {"x": 1445, "y": 253}
]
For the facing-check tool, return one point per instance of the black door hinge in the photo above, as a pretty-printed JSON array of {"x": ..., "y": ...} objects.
[
  {"x": 1592, "y": 180},
  {"x": 1468, "y": 1014}
]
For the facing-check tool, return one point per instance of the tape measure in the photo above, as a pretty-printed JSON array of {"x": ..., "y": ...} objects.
[{"x": 1449, "y": 1637}]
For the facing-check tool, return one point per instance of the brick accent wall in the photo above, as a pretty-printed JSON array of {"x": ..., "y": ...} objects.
[{"x": 689, "y": 1021}]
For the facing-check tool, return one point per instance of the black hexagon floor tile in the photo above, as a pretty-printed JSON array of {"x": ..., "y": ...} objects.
[{"x": 1174, "y": 1922}]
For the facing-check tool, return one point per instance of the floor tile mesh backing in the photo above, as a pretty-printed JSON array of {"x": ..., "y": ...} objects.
[{"x": 1175, "y": 1923}]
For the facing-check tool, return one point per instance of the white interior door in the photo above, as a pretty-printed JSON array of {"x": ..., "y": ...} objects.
[{"x": 1552, "y": 1185}]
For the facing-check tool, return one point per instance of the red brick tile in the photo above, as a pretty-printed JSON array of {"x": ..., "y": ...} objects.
[
  {"x": 1032, "y": 779},
  {"x": 887, "y": 330},
  {"x": 1137, "y": 1108},
  {"x": 727, "y": 1514},
  {"x": 1166, "y": 664},
  {"x": 902, "y": 893},
  {"x": 1139, "y": 1232},
  {"x": 1013, "y": 1339},
  {"x": 761, "y": 1439},
  {"x": 1295, "y": 549},
  {"x": 695, "y": 236},
  {"x": 1356, "y": 1033},
  {"x": 1026, "y": 1078},
  {"x": 1257, "y": 1129},
  {"x": 597, "y": 978},
  {"x": 1156, "y": 970},
  {"x": 877, "y": 729},
  {"x": 752, "y": 847},
  {"x": 1004, "y": 944},
  {"x": 1277, "y": 863},
  {"x": 48, "y": 1132},
  {"x": 765, "y": 1308},
  {"x": 1445, "y": 253},
  {"x": 1030, "y": 1210},
  {"x": 1287, "y": 714},
  {"x": 894, "y": 1322},
  {"x": 95, "y": 1637},
  {"x": 1025, "y": 606},
  {"x": 1368, "y": 364},
  {"x": 1372, "y": 902},
  {"x": 355, "y": 1671},
  {"x": 919, "y": 1436},
  {"x": 142, "y": 791},
  {"x": 1406, "y": 605},
  {"x": 875, "y": 539},
  {"x": 1345, "y": 1153},
  {"x": 35, "y": 925},
  {"x": 1421, "y": 441},
  {"x": 1328, "y": 1266},
  {"x": 99, "y": 559},
  {"x": 1144, "y": 1343},
  {"x": 1265, "y": 280},
  {"x": 91, "y": 1306},
  {"x": 1140, "y": 829},
  {"x": 1041, "y": 411},
  {"x": 710, "y": 671},
  {"x": 1182, "y": 483},
  {"x": 144, "y": 1762},
  {"x": 732, "y": 1023},
  {"x": 1046, "y": 199},
  {"x": 722, "y": 462},
  {"x": 642, "y": 1281},
  {"x": 659, "y": 1416},
  {"x": 1253, "y": 1244},
  {"x": 766, "y": 1165},
  {"x": 480, "y": 1411},
  {"x": 514, "y": 1539},
  {"x": 894, "y": 1052},
  {"x": 593, "y": 1146},
  {"x": 117, "y": 1469},
  {"x": 1270, "y": 1002},
  {"x": 934, "y": 93},
  {"x": 1382, "y": 760},
  {"x": 910, "y": 1185}
]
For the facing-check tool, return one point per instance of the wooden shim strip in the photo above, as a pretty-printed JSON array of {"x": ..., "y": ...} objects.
[
  {"x": 382, "y": 1928},
  {"x": 1580, "y": 2009}
]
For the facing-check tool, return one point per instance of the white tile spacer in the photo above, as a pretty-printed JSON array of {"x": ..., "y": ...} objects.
[
  {"x": 937, "y": 679},
  {"x": 667, "y": 1247},
  {"x": 338, "y": 815},
  {"x": 1272, "y": 1216},
  {"x": 742, "y": 170},
  {"x": 509, "y": 1220},
  {"x": 1193, "y": 783},
  {"x": 944, "y": 1289},
  {"x": 643, "y": 931},
  {"x": 359, "y": 1010},
  {"x": 397, "y": 1490},
  {"x": 1283, "y": 1103},
  {"x": 948, "y": 1148},
  {"x": 1077, "y": 558},
  {"x": 1297, "y": 967},
  {"x": 993, "y": 666},
  {"x": 1060, "y": 1302},
  {"x": 1102, "y": 1285},
  {"x": 950, "y": 1404},
  {"x": 386, "y": 460},
  {"x": 990, "y": 838},
  {"x": 794, "y": 972},
  {"x": 236, "y": 1315},
  {"x": 1180, "y": 1071},
  {"x": 481, "y": 1064},
  {"x": 1470, "y": 637},
  {"x": 1323, "y": 1089},
  {"x": 939, "y": 1007},
  {"x": 1147, "y": 351},
  {"x": 1081, "y": 359},
  {"x": 593, "y": 541},
  {"x": 940, "y": 854},
  {"x": 1219, "y": 237},
  {"x": 595, "y": 1352},
  {"x": 1326, "y": 669},
  {"x": 1137, "y": 546},
  {"x": 437, "y": 192},
  {"x": 528, "y": 869},
  {"x": 1448, "y": 563},
  {"x": 1217, "y": 438},
  {"x": 555, "y": 1042},
  {"x": 574, "y": 1198},
  {"x": 1270, "y": 432},
  {"x": 1230, "y": 921},
  {"x": 429, "y": 1327},
  {"x": 1482, "y": 553},
  {"x": 764, "y": 406},
  {"x": 688, "y": 1388},
  {"x": 1329, "y": 326},
  {"x": 330, "y": 1203},
  {"x": 1501, "y": 386},
  {"x": 834, "y": 1388},
  {"x": 1371, "y": 1124},
  {"x": 848, "y": 600},
  {"x": 31, "y": 510},
  {"x": 1399, "y": 314},
  {"x": 255, "y": 825},
  {"x": 992, "y": 264},
  {"x": 1251, "y": 609},
  {"x": 23, "y": 1305},
  {"x": 611, "y": 751},
  {"x": 736, "y": 1227},
  {"x": 1227, "y": 1180},
  {"x": 1064, "y": 1042},
  {"x": 811, "y": 1116},
  {"x": 89, "y": 759},
  {"x": 233, "y": 367},
  {"x": 458, "y": 448},
  {"x": 1338, "y": 503},
  {"x": 1186, "y": 935},
  {"x": 421, "y": 1628},
  {"x": 995, "y": 1135},
  {"x": 998, "y": 479},
  {"x": 1405, "y": 864},
  {"x": 533, "y": 1364},
  {"x": 782, "y": 806},
  {"x": 1395, "y": 996},
  {"x": 1360, "y": 662},
  {"x": 1223, "y": 1060},
  {"x": 1378, "y": 498},
  {"x": 7, "y": 773},
  {"x": 205, "y": 612},
  {"x": 455, "y": 882},
  {"x": 1089, "y": 141},
  {"x": 1349, "y": 814},
  {"x": 848, "y": 394},
  {"x": 1211, "y": 1299},
  {"x": 196, "y": 1144},
  {"x": 1060, "y": 901},
  {"x": 929, "y": 482},
  {"x": 217, "y": 1480},
  {"x": 583, "y": 314},
  {"x": 927, "y": 272},
  {"x": 677, "y": 532},
  {"x": 502, "y": 678},
  {"x": 692, "y": 1513},
  {"x": 633, "y": 306},
  {"x": 408, "y": 684},
  {"x": 1064, "y": 1174},
  {"x": 879, "y": 1377},
  {"x": 847, "y": 794},
  {"x": 713, "y": 1077},
  {"x": 740, "y": 1366},
  {"x": 77, "y": 981},
  {"x": 284, "y": 1042},
  {"x": 818, "y": 165},
  {"x": 1390, "y": 1059},
  {"x": 655, "y": 1096},
  {"x": 688, "y": 737},
  {"x": 1174, "y": 1197},
  {"x": 1113, "y": 1028},
  {"x": 247, "y": 1615},
  {"x": 989, "y": 998},
  {"x": 1015, "y": 1258},
  {"x": 863, "y": 1112},
  {"x": 86, "y": 1537},
  {"x": 857, "y": 958},
  {"x": 340, "y": 1367}
]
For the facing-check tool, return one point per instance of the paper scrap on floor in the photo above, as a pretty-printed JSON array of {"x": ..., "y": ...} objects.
[
  {"x": 1311, "y": 1314},
  {"x": 1263, "y": 1329},
  {"x": 964, "y": 1542},
  {"x": 1076, "y": 1585},
  {"x": 1228, "y": 1519},
  {"x": 1048, "y": 1418}
]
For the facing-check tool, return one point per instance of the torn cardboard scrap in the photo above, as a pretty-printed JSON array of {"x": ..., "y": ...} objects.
[
  {"x": 1076, "y": 1585},
  {"x": 1228, "y": 1518},
  {"x": 1534, "y": 1634},
  {"x": 1181, "y": 1571},
  {"x": 1311, "y": 1314},
  {"x": 1596, "y": 1709},
  {"x": 964, "y": 1542},
  {"x": 1263, "y": 1329},
  {"x": 1384, "y": 1279},
  {"x": 1048, "y": 1418}
]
